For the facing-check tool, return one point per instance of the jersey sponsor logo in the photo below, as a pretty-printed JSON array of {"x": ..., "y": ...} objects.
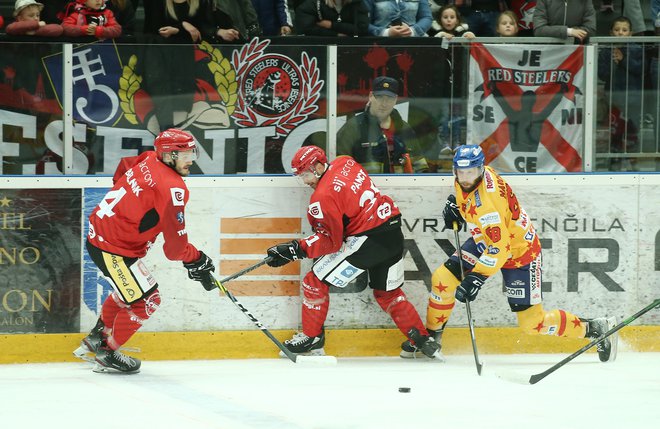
[
  {"x": 179, "y": 217},
  {"x": 181, "y": 232},
  {"x": 178, "y": 196},
  {"x": 384, "y": 211},
  {"x": 146, "y": 174},
  {"x": 490, "y": 183},
  {"x": 529, "y": 236},
  {"x": 477, "y": 199},
  {"x": 488, "y": 261},
  {"x": 315, "y": 211},
  {"x": 492, "y": 250},
  {"x": 551, "y": 330},
  {"x": 92, "y": 232},
  {"x": 490, "y": 219},
  {"x": 514, "y": 292}
]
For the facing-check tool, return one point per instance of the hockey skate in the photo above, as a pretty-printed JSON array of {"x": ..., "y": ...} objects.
[
  {"x": 423, "y": 347},
  {"x": 308, "y": 346},
  {"x": 606, "y": 348},
  {"x": 108, "y": 360},
  {"x": 90, "y": 345}
]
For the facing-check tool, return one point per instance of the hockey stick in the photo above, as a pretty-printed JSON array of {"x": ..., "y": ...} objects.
[
  {"x": 540, "y": 376},
  {"x": 467, "y": 302},
  {"x": 292, "y": 356},
  {"x": 220, "y": 285}
]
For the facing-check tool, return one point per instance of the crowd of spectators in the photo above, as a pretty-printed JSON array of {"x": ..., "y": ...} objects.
[{"x": 237, "y": 21}]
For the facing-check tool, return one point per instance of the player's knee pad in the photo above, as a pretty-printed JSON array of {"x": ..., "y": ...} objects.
[
  {"x": 531, "y": 320},
  {"x": 142, "y": 309},
  {"x": 315, "y": 292},
  {"x": 444, "y": 282},
  {"x": 389, "y": 299}
]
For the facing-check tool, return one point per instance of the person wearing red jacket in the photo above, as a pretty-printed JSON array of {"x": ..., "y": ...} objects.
[
  {"x": 27, "y": 21},
  {"x": 148, "y": 198},
  {"x": 91, "y": 18},
  {"x": 355, "y": 229}
]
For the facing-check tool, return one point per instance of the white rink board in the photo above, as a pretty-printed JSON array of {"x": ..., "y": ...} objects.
[{"x": 607, "y": 226}]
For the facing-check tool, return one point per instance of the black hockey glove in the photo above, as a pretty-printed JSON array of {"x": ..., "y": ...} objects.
[
  {"x": 451, "y": 213},
  {"x": 201, "y": 270},
  {"x": 469, "y": 287},
  {"x": 283, "y": 253}
]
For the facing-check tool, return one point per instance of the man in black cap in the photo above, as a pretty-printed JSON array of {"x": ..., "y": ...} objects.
[{"x": 379, "y": 139}]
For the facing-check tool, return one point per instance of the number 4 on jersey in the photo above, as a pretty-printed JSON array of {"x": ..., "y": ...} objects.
[{"x": 110, "y": 200}]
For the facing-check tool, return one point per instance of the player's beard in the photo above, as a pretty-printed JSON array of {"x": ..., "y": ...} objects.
[{"x": 471, "y": 187}]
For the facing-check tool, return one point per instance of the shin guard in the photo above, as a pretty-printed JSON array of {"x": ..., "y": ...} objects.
[
  {"x": 536, "y": 321},
  {"x": 316, "y": 300},
  {"x": 402, "y": 312},
  {"x": 441, "y": 300},
  {"x": 127, "y": 318}
]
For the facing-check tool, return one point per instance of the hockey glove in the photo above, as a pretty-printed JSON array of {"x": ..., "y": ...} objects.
[
  {"x": 469, "y": 287},
  {"x": 201, "y": 270},
  {"x": 283, "y": 253},
  {"x": 451, "y": 213}
]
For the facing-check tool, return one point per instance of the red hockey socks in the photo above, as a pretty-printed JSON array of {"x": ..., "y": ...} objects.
[
  {"x": 402, "y": 312},
  {"x": 316, "y": 301}
]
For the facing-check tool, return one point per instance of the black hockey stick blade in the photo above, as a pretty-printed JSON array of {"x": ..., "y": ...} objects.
[{"x": 540, "y": 376}]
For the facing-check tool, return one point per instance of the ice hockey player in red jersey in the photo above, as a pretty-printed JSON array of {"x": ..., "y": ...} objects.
[
  {"x": 502, "y": 239},
  {"x": 148, "y": 198},
  {"x": 355, "y": 229}
]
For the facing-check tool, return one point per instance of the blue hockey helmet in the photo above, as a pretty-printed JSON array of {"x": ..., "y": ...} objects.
[{"x": 469, "y": 156}]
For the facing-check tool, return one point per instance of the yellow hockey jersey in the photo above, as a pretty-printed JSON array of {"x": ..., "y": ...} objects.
[{"x": 499, "y": 226}]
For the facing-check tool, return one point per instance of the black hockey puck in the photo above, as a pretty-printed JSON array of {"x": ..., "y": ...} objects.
[{"x": 404, "y": 389}]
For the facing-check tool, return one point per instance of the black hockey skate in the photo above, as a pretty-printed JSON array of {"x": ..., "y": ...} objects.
[
  {"x": 90, "y": 345},
  {"x": 606, "y": 348},
  {"x": 302, "y": 344},
  {"x": 410, "y": 351},
  {"x": 428, "y": 346},
  {"x": 108, "y": 360}
]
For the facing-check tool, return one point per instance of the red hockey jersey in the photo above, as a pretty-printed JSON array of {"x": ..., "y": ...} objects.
[
  {"x": 148, "y": 198},
  {"x": 345, "y": 203}
]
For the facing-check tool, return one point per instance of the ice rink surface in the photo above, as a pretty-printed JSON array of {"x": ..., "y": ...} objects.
[{"x": 360, "y": 393}]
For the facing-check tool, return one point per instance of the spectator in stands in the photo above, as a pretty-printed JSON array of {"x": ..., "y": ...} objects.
[
  {"x": 481, "y": 15},
  {"x": 507, "y": 24},
  {"x": 561, "y": 19},
  {"x": 91, "y": 18},
  {"x": 124, "y": 14},
  {"x": 274, "y": 18},
  {"x": 179, "y": 21},
  {"x": 379, "y": 139},
  {"x": 27, "y": 15},
  {"x": 448, "y": 24},
  {"x": 2, "y": 21},
  {"x": 332, "y": 18},
  {"x": 399, "y": 18},
  {"x": 235, "y": 21},
  {"x": 620, "y": 66}
]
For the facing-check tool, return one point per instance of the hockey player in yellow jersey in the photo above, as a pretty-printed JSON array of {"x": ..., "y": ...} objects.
[{"x": 502, "y": 239}]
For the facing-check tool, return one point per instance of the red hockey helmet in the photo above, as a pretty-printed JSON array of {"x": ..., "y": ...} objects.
[
  {"x": 172, "y": 141},
  {"x": 306, "y": 157}
]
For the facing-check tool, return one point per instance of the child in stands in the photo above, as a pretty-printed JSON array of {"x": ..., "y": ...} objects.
[
  {"x": 27, "y": 21},
  {"x": 91, "y": 18}
]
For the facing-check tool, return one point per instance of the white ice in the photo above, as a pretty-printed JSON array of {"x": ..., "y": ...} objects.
[{"x": 360, "y": 393}]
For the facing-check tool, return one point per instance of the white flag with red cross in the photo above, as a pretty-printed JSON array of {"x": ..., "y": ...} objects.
[{"x": 526, "y": 106}]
